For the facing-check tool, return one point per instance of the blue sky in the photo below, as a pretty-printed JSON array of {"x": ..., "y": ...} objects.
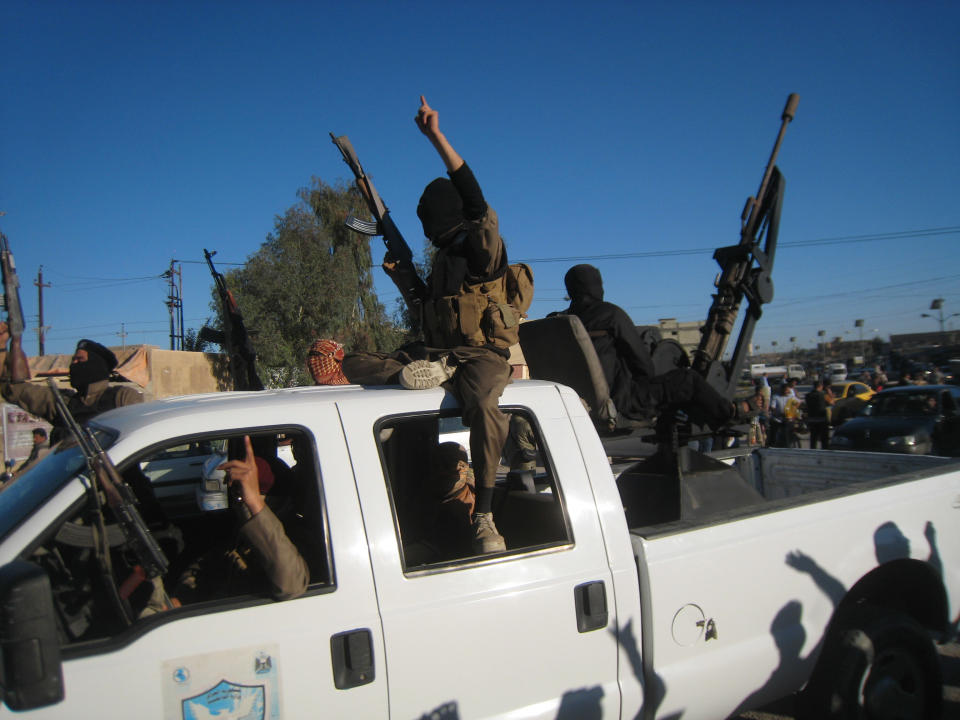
[{"x": 139, "y": 132}]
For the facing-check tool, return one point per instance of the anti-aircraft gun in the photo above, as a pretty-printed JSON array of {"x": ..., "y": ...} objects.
[
  {"x": 559, "y": 348},
  {"x": 675, "y": 483},
  {"x": 745, "y": 272}
]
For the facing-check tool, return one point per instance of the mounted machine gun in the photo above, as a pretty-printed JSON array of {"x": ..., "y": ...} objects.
[{"x": 745, "y": 273}]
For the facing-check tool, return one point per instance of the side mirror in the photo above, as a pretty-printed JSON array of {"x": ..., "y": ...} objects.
[{"x": 31, "y": 675}]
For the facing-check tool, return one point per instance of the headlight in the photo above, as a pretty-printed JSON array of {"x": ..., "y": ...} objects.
[
  {"x": 840, "y": 441},
  {"x": 913, "y": 444}
]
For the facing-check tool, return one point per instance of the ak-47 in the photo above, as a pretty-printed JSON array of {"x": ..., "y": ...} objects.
[
  {"x": 16, "y": 359},
  {"x": 405, "y": 276},
  {"x": 119, "y": 496},
  {"x": 745, "y": 272},
  {"x": 234, "y": 338}
]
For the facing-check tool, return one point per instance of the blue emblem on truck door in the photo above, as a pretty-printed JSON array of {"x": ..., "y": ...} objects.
[{"x": 226, "y": 701}]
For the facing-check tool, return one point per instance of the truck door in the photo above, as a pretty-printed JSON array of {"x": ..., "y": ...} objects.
[
  {"x": 525, "y": 633},
  {"x": 230, "y": 649}
]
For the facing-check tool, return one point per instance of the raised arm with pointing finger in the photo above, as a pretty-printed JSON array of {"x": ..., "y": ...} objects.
[
  {"x": 282, "y": 563},
  {"x": 428, "y": 121}
]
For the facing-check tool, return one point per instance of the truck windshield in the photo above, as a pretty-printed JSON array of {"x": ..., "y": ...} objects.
[{"x": 25, "y": 493}]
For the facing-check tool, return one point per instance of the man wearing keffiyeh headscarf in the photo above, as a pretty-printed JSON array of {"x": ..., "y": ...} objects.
[{"x": 324, "y": 361}]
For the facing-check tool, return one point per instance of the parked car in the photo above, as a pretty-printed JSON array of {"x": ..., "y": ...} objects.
[
  {"x": 914, "y": 419},
  {"x": 837, "y": 372},
  {"x": 175, "y": 473},
  {"x": 843, "y": 390},
  {"x": 850, "y": 400}
]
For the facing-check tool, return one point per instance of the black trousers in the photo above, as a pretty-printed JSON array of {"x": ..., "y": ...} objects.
[
  {"x": 680, "y": 389},
  {"x": 819, "y": 433},
  {"x": 478, "y": 384}
]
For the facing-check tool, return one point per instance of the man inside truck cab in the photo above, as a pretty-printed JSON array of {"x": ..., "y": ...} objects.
[
  {"x": 466, "y": 348},
  {"x": 636, "y": 390},
  {"x": 261, "y": 550}
]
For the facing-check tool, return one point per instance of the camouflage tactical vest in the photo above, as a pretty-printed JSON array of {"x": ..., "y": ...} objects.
[{"x": 486, "y": 312}]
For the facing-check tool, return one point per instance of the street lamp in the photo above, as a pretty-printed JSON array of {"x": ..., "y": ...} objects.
[{"x": 937, "y": 305}]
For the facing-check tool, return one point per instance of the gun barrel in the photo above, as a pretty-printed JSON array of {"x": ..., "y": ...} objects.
[{"x": 788, "y": 113}]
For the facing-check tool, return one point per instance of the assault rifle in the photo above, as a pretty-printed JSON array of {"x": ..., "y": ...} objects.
[
  {"x": 120, "y": 498},
  {"x": 406, "y": 277},
  {"x": 19, "y": 369},
  {"x": 233, "y": 338},
  {"x": 745, "y": 273}
]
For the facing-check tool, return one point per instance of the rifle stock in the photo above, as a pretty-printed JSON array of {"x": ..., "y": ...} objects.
[
  {"x": 405, "y": 275},
  {"x": 16, "y": 358},
  {"x": 745, "y": 272},
  {"x": 234, "y": 339}
]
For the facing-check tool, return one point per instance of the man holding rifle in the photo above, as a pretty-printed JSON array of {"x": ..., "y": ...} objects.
[
  {"x": 90, "y": 371},
  {"x": 465, "y": 345}
]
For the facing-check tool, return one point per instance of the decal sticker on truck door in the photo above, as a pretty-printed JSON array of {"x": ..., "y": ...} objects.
[{"x": 241, "y": 684}]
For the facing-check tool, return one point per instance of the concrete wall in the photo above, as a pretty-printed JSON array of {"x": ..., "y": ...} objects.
[{"x": 175, "y": 372}]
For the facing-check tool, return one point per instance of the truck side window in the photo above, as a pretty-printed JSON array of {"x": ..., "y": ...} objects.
[
  {"x": 187, "y": 507},
  {"x": 428, "y": 470}
]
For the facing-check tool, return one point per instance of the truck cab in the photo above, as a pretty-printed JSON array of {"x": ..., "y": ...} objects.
[{"x": 386, "y": 602}]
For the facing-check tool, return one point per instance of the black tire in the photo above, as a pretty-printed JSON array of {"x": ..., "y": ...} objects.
[{"x": 881, "y": 665}]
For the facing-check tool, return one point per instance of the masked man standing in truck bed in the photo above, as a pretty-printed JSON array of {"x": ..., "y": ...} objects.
[
  {"x": 636, "y": 390},
  {"x": 467, "y": 339}
]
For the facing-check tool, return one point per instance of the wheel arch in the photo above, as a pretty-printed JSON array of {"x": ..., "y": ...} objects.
[{"x": 912, "y": 587}]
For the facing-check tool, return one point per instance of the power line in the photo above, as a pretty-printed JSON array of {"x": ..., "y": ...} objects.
[
  {"x": 841, "y": 240},
  {"x": 867, "y": 290}
]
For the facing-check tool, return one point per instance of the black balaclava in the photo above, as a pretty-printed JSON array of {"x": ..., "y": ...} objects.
[
  {"x": 441, "y": 211},
  {"x": 98, "y": 365},
  {"x": 584, "y": 285},
  {"x": 83, "y": 374}
]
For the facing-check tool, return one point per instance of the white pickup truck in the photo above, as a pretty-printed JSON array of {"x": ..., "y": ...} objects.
[{"x": 632, "y": 595}]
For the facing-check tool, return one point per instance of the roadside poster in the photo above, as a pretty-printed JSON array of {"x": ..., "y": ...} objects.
[{"x": 18, "y": 426}]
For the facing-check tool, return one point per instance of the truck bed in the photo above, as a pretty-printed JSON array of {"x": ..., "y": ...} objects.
[{"x": 765, "y": 480}]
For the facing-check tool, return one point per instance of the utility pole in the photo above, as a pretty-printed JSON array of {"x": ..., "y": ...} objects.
[
  {"x": 174, "y": 304},
  {"x": 123, "y": 335},
  {"x": 41, "y": 328}
]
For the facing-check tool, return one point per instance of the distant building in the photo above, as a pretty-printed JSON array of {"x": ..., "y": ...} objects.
[
  {"x": 924, "y": 340},
  {"x": 687, "y": 333}
]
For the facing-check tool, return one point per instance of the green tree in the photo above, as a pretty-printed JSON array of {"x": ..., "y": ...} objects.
[
  {"x": 194, "y": 341},
  {"x": 311, "y": 278}
]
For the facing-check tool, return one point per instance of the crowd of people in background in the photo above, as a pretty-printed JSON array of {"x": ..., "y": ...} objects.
[{"x": 781, "y": 416}]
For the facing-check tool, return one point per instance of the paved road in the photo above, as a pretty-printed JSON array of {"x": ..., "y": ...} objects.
[{"x": 950, "y": 660}]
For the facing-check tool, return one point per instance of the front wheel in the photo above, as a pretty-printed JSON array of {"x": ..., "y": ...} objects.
[{"x": 881, "y": 665}]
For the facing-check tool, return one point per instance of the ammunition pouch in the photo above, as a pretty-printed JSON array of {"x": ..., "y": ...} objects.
[{"x": 480, "y": 314}]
